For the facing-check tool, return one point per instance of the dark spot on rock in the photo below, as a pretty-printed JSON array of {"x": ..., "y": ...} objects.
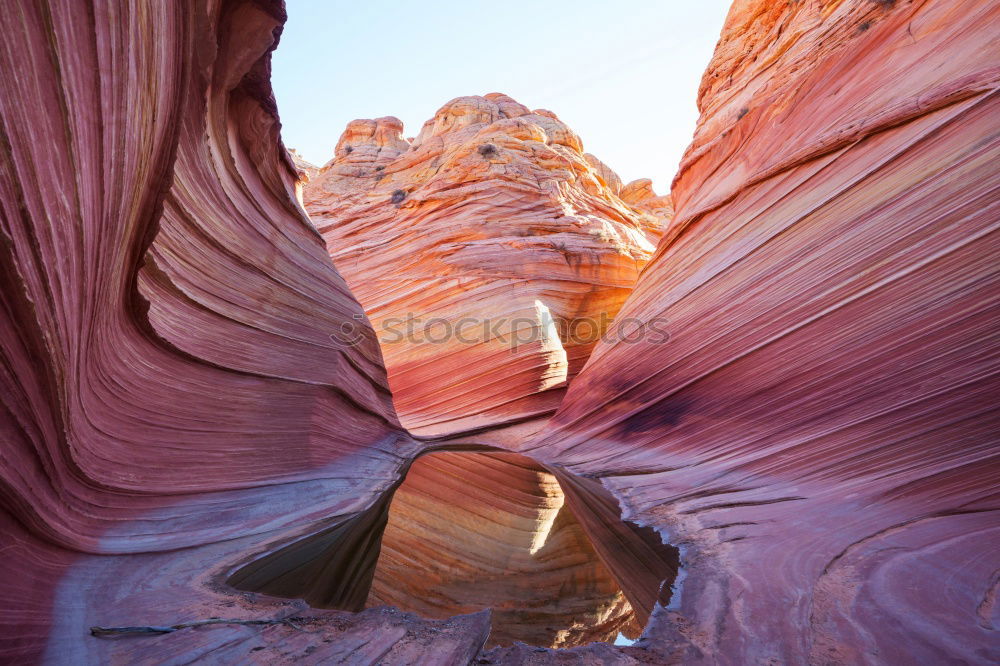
[
  {"x": 622, "y": 383},
  {"x": 488, "y": 150},
  {"x": 864, "y": 26},
  {"x": 380, "y": 167},
  {"x": 398, "y": 196},
  {"x": 744, "y": 111},
  {"x": 348, "y": 150},
  {"x": 658, "y": 416}
]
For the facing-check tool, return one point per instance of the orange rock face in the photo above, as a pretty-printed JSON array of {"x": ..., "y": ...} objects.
[
  {"x": 488, "y": 253},
  {"x": 201, "y": 459}
]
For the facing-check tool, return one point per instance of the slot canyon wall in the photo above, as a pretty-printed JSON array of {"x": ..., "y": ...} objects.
[
  {"x": 171, "y": 395},
  {"x": 818, "y": 434}
]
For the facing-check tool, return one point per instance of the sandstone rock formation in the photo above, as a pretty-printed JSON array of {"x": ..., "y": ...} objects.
[
  {"x": 818, "y": 435},
  {"x": 169, "y": 383},
  {"x": 176, "y": 403},
  {"x": 492, "y": 224}
]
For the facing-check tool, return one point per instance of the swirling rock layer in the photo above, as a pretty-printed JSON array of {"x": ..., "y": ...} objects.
[
  {"x": 819, "y": 433},
  {"x": 169, "y": 381},
  {"x": 489, "y": 252}
]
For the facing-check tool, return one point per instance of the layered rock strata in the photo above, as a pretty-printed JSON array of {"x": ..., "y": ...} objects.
[
  {"x": 169, "y": 388},
  {"x": 490, "y": 252},
  {"x": 176, "y": 402},
  {"x": 819, "y": 433}
]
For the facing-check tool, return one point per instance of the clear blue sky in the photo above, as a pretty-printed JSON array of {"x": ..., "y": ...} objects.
[{"x": 623, "y": 74}]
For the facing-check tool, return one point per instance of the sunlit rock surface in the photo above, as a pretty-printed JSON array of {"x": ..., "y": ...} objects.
[
  {"x": 819, "y": 434},
  {"x": 489, "y": 252}
]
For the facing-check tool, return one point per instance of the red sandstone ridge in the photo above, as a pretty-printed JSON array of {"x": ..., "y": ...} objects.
[
  {"x": 183, "y": 443},
  {"x": 492, "y": 221},
  {"x": 169, "y": 383},
  {"x": 820, "y": 433}
]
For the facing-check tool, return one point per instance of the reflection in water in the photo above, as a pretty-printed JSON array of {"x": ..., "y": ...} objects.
[
  {"x": 469, "y": 531},
  {"x": 544, "y": 549}
]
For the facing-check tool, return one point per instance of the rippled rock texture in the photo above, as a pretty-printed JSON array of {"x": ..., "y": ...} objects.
[
  {"x": 495, "y": 226},
  {"x": 818, "y": 435},
  {"x": 169, "y": 386}
]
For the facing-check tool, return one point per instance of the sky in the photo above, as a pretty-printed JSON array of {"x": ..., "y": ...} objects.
[{"x": 623, "y": 74}]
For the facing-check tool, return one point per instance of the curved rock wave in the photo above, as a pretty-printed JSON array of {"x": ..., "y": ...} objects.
[
  {"x": 169, "y": 380},
  {"x": 817, "y": 433}
]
